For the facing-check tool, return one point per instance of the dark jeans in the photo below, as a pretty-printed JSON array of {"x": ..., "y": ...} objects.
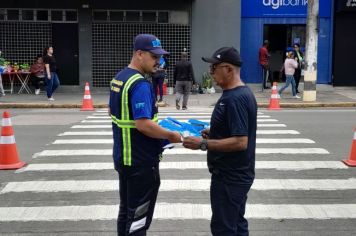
[
  {"x": 52, "y": 84},
  {"x": 138, "y": 193},
  {"x": 266, "y": 76},
  {"x": 158, "y": 82},
  {"x": 36, "y": 81},
  {"x": 297, "y": 75},
  {"x": 228, "y": 202}
]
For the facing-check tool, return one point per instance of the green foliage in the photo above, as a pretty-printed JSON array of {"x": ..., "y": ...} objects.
[{"x": 207, "y": 80}]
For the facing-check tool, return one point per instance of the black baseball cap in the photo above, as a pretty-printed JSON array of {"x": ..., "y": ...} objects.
[
  {"x": 225, "y": 54},
  {"x": 149, "y": 43}
]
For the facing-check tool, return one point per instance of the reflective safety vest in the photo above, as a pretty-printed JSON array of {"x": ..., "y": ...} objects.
[{"x": 125, "y": 123}]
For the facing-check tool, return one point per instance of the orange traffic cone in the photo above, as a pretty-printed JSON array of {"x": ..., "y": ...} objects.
[
  {"x": 352, "y": 159},
  {"x": 9, "y": 159},
  {"x": 274, "y": 101},
  {"x": 87, "y": 101}
]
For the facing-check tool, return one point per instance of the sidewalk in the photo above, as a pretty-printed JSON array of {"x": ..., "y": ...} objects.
[{"x": 67, "y": 97}]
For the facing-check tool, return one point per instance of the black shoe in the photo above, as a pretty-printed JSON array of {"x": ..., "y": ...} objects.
[
  {"x": 177, "y": 105},
  {"x": 297, "y": 91},
  {"x": 160, "y": 100},
  {"x": 184, "y": 108}
]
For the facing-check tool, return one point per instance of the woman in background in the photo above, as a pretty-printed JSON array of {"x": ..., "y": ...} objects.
[{"x": 290, "y": 64}]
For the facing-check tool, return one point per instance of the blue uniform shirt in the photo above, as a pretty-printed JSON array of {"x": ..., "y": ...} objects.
[{"x": 145, "y": 151}]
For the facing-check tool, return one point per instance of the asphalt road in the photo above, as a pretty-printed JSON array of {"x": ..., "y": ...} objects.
[{"x": 303, "y": 191}]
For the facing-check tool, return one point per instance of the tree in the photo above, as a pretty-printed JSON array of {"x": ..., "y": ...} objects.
[{"x": 311, "y": 52}]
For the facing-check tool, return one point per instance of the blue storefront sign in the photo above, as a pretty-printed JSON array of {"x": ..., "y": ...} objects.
[
  {"x": 281, "y": 8},
  {"x": 258, "y": 13}
]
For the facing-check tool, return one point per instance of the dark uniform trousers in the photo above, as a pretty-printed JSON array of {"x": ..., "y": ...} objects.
[
  {"x": 138, "y": 193},
  {"x": 228, "y": 202}
]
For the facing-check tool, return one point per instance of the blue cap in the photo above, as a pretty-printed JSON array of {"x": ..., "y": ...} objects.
[{"x": 149, "y": 43}]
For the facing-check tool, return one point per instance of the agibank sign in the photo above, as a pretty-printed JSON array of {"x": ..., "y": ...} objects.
[
  {"x": 281, "y": 8},
  {"x": 275, "y": 4}
]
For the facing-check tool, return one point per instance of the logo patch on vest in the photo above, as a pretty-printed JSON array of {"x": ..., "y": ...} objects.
[{"x": 140, "y": 105}]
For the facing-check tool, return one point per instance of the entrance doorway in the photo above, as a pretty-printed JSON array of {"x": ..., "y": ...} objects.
[
  {"x": 65, "y": 44},
  {"x": 281, "y": 38}
]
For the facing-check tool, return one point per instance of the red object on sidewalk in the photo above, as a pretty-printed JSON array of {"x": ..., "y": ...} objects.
[
  {"x": 9, "y": 158},
  {"x": 274, "y": 101},
  {"x": 352, "y": 158},
  {"x": 87, "y": 100}
]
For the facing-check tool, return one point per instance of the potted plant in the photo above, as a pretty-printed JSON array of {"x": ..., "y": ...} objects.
[
  {"x": 16, "y": 67},
  {"x": 25, "y": 67}
]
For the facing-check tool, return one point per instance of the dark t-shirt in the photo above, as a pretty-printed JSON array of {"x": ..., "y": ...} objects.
[
  {"x": 52, "y": 63},
  {"x": 235, "y": 114}
]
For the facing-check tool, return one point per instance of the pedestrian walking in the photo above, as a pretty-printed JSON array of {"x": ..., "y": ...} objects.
[
  {"x": 183, "y": 79},
  {"x": 159, "y": 76},
  {"x": 290, "y": 64},
  {"x": 230, "y": 144},
  {"x": 264, "y": 56},
  {"x": 300, "y": 59},
  {"x": 37, "y": 73},
  {"x": 52, "y": 80},
  {"x": 137, "y": 137}
]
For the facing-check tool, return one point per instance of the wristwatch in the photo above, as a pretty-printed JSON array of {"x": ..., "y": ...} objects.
[{"x": 204, "y": 145}]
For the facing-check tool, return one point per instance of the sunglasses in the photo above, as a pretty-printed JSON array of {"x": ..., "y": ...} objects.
[{"x": 213, "y": 67}]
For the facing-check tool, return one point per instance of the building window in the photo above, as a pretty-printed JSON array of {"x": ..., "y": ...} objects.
[
  {"x": 42, "y": 15},
  {"x": 149, "y": 16},
  {"x": 133, "y": 16},
  {"x": 2, "y": 14},
  {"x": 57, "y": 15},
  {"x": 163, "y": 17},
  {"x": 100, "y": 15},
  {"x": 13, "y": 15},
  {"x": 71, "y": 15},
  {"x": 27, "y": 15},
  {"x": 116, "y": 16}
]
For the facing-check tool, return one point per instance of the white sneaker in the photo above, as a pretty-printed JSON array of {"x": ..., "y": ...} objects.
[
  {"x": 296, "y": 96},
  {"x": 37, "y": 91},
  {"x": 51, "y": 99}
]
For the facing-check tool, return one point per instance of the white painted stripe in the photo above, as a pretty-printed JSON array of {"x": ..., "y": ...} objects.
[
  {"x": 181, "y": 120},
  {"x": 178, "y": 211},
  {"x": 83, "y": 141},
  {"x": 275, "y": 96},
  {"x": 278, "y": 165},
  {"x": 261, "y": 116},
  {"x": 110, "y": 141},
  {"x": 291, "y": 151},
  {"x": 267, "y": 120},
  {"x": 167, "y": 113},
  {"x": 177, "y": 185},
  {"x": 91, "y": 126},
  {"x": 87, "y": 88},
  {"x": 355, "y": 136},
  {"x": 6, "y": 122},
  {"x": 274, "y": 87},
  {"x": 7, "y": 140},
  {"x": 87, "y": 97},
  {"x": 285, "y": 140},
  {"x": 102, "y": 111},
  {"x": 109, "y": 121},
  {"x": 160, "y": 116},
  {"x": 99, "y": 114},
  {"x": 277, "y": 132},
  {"x": 271, "y": 125},
  {"x": 179, "y": 151},
  {"x": 87, "y": 133}
]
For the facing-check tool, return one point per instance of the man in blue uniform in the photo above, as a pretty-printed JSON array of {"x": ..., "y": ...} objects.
[
  {"x": 137, "y": 137},
  {"x": 231, "y": 144}
]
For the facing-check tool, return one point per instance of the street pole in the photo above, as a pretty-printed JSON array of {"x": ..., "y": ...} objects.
[{"x": 311, "y": 52}]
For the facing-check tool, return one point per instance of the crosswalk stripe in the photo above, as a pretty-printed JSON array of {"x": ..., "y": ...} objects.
[
  {"x": 277, "y": 132},
  {"x": 177, "y": 151},
  {"x": 271, "y": 125},
  {"x": 109, "y": 133},
  {"x": 178, "y": 211},
  {"x": 278, "y": 165},
  {"x": 181, "y": 120},
  {"x": 174, "y": 116},
  {"x": 87, "y": 133},
  {"x": 110, "y": 141},
  {"x": 91, "y": 126},
  {"x": 177, "y": 185}
]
